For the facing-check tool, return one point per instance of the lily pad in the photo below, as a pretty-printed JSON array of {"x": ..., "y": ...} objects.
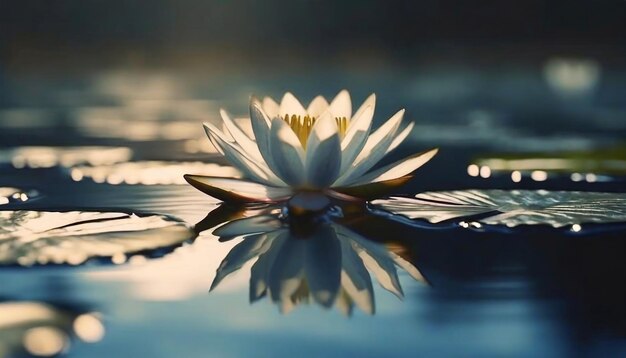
[
  {"x": 511, "y": 208},
  {"x": 44, "y": 237}
]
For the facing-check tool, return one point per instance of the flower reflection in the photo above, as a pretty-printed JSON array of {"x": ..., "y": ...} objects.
[
  {"x": 314, "y": 259},
  {"x": 42, "y": 329}
]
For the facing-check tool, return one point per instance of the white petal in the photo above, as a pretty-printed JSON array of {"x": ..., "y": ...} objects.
[
  {"x": 290, "y": 105},
  {"x": 287, "y": 153},
  {"x": 401, "y": 137},
  {"x": 397, "y": 169},
  {"x": 247, "y": 144},
  {"x": 373, "y": 151},
  {"x": 252, "y": 169},
  {"x": 317, "y": 106},
  {"x": 261, "y": 125},
  {"x": 236, "y": 189},
  {"x": 369, "y": 102},
  {"x": 270, "y": 107},
  {"x": 323, "y": 155},
  {"x": 356, "y": 137},
  {"x": 341, "y": 106}
]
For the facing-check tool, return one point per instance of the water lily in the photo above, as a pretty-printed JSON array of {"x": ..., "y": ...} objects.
[{"x": 322, "y": 148}]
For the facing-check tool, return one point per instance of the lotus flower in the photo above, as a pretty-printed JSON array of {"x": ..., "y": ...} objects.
[
  {"x": 325, "y": 262},
  {"x": 322, "y": 148}
]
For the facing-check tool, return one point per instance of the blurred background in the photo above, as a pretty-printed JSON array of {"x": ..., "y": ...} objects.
[
  {"x": 542, "y": 78},
  {"x": 555, "y": 65},
  {"x": 101, "y": 105},
  {"x": 243, "y": 34}
]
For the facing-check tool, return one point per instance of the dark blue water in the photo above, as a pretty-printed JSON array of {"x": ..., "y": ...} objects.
[{"x": 527, "y": 292}]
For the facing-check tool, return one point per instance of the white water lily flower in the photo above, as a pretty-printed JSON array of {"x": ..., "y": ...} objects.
[{"x": 321, "y": 148}]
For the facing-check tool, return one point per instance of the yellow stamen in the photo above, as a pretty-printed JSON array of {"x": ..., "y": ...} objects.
[{"x": 302, "y": 126}]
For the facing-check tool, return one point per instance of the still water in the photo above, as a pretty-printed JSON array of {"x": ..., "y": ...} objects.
[{"x": 99, "y": 148}]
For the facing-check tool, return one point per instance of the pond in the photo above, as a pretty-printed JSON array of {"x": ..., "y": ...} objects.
[{"x": 107, "y": 251}]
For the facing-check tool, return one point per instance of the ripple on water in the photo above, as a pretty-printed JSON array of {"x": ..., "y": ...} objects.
[
  {"x": 48, "y": 157},
  {"x": 150, "y": 172},
  {"x": 44, "y": 237}
]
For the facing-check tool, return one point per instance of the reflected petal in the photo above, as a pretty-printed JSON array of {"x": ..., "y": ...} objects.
[
  {"x": 407, "y": 266},
  {"x": 322, "y": 266},
  {"x": 247, "y": 226},
  {"x": 260, "y": 272},
  {"x": 249, "y": 248},
  {"x": 376, "y": 259},
  {"x": 355, "y": 279},
  {"x": 287, "y": 272}
]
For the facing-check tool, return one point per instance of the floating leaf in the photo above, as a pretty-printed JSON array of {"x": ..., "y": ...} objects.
[
  {"x": 42, "y": 237},
  {"x": 511, "y": 208}
]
